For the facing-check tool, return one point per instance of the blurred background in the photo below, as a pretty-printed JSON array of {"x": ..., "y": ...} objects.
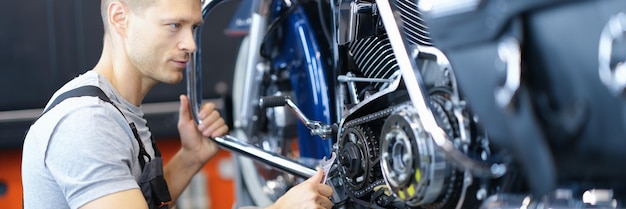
[{"x": 45, "y": 43}]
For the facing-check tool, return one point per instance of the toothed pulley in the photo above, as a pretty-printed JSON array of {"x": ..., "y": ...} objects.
[{"x": 358, "y": 147}]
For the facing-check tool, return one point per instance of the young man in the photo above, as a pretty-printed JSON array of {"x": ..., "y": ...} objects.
[{"x": 88, "y": 152}]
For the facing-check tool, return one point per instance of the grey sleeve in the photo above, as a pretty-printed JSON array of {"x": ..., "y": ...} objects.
[{"x": 91, "y": 155}]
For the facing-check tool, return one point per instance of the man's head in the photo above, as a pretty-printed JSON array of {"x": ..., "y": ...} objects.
[{"x": 151, "y": 38}]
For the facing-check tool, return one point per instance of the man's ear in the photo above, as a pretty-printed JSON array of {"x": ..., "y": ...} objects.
[{"x": 117, "y": 17}]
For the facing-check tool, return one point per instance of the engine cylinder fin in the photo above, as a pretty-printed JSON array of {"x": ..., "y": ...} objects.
[
  {"x": 413, "y": 24},
  {"x": 374, "y": 57}
]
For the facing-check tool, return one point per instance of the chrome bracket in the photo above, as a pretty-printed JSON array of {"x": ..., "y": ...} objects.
[
  {"x": 613, "y": 78},
  {"x": 509, "y": 54}
]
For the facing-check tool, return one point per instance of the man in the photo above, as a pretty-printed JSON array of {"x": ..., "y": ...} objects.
[{"x": 87, "y": 152}]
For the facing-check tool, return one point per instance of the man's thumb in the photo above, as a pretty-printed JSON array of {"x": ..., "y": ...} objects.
[
  {"x": 317, "y": 178},
  {"x": 183, "y": 110}
]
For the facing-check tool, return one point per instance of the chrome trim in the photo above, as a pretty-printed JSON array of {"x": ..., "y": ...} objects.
[
  {"x": 416, "y": 90},
  {"x": 441, "y": 8},
  {"x": 395, "y": 83},
  {"x": 460, "y": 104},
  {"x": 254, "y": 71},
  {"x": 354, "y": 97},
  {"x": 317, "y": 128},
  {"x": 412, "y": 166},
  {"x": 509, "y": 54},
  {"x": 254, "y": 67},
  {"x": 350, "y": 15},
  {"x": 194, "y": 66},
  {"x": 613, "y": 79},
  {"x": 351, "y": 78},
  {"x": 559, "y": 198}
]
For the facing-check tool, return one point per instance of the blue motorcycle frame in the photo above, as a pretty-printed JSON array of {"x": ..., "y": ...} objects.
[{"x": 308, "y": 78}]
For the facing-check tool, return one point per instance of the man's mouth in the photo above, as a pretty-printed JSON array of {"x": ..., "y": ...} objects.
[
  {"x": 181, "y": 63},
  {"x": 181, "y": 60}
]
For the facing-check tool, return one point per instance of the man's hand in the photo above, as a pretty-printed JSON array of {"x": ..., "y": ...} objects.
[
  {"x": 310, "y": 194},
  {"x": 193, "y": 136},
  {"x": 196, "y": 150}
]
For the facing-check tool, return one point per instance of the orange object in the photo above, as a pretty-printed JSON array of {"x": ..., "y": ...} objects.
[
  {"x": 11, "y": 178},
  {"x": 220, "y": 190}
]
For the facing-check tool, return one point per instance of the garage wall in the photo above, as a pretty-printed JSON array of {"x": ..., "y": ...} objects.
[{"x": 45, "y": 43}]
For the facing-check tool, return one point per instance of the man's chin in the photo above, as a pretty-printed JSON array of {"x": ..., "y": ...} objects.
[
  {"x": 173, "y": 79},
  {"x": 173, "y": 82}
]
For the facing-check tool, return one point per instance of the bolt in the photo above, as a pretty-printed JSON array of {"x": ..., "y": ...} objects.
[
  {"x": 481, "y": 194},
  {"x": 498, "y": 170}
]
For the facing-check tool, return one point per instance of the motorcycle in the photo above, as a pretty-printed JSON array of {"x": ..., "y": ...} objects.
[{"x": 403, "y": 109}]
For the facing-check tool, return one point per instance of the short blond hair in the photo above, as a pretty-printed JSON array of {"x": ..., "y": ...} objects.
[{"x": 137, "y": 6}]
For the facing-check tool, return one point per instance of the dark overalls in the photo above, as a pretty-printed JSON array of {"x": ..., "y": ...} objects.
[{"x": 151, "y": 182}]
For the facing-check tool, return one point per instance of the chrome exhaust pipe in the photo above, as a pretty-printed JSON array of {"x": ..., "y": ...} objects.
[{"x": 194, "y": 92}]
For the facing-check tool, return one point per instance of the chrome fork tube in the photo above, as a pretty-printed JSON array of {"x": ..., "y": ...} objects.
[
  {"x": 194, "y": 91},
  {"x": 253, "y": 69},
  {"x": 416, "y": 89}
]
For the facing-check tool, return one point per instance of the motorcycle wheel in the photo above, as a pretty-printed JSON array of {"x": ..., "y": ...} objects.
[{"x": 262, "y": 184}]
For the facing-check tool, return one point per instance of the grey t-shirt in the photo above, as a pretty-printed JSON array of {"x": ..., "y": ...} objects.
[{"x": 82, "y": 149}]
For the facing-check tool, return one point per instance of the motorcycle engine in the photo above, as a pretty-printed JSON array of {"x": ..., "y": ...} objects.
[{"x": 386, "y": 158}]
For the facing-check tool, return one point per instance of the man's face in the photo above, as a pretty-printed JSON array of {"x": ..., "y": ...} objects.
[{"x": 160, "y": 39}]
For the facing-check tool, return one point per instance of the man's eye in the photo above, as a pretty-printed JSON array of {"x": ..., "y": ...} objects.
[
  {"x": 195, "y": 27},
  {"x": 175, "y": 25}
]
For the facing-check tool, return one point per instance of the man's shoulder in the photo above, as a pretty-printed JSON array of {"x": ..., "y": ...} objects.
[
  {"x": 80, "y": 100},
  {"x": 88, "y": 107},
  {"x": 84, "y": 114},
  {"x": 87, "y": 78}
]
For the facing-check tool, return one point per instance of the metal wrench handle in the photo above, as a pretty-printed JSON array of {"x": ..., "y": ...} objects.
[
  {"x": 327, "y": 165},
  {"x": 271, "y": 159}
]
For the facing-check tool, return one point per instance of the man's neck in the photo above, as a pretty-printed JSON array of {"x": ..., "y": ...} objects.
[{"x": 125, "y": 78}]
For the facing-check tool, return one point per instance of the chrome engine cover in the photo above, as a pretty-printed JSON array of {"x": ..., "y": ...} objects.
[{"x": 412, "y": 167}]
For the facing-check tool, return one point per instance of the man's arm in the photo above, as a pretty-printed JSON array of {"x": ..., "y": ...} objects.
[
  {"x": 178, "y": 173},
  {"x": 130, "y": 199}
]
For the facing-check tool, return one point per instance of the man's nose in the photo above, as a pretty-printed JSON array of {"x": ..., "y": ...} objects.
[{"x": 188, "y": 43}]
